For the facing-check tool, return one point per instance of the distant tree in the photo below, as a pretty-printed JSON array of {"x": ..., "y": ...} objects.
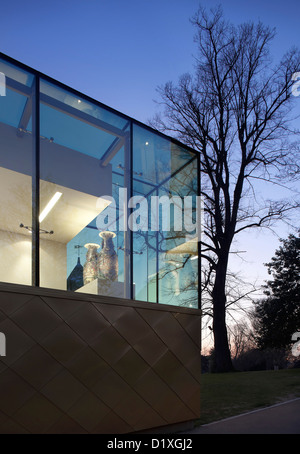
[
  {"x": 256, "y": 359},
  {"x": 241, "y": 338},
  {"x": 235, "y": 111},
  {"x": 277, "y": 316}
]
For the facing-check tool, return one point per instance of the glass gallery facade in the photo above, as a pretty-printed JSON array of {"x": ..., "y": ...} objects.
[
  {"x": 99, "y": 217},
  {"x": 92, "y": 201}
]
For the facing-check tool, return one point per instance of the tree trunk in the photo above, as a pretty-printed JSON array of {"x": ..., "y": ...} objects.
[{"x": 222, "y": 359}]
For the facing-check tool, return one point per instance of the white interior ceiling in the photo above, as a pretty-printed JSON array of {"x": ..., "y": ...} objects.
[{"x": 73, "y": 211}]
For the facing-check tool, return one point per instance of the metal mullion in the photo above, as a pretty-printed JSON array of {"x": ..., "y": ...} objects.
[
  {"x": 131, "y": 195},
  {"x": 35, "y": 272},
  {"x": 126, "y": 228},
  {"x": 157, "y": 257}
]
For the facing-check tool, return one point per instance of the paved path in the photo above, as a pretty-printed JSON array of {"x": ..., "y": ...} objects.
[{"x": 283, "y": 418}]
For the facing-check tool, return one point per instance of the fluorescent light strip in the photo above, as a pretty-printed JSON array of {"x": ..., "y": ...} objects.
[{"x": 50, "y": 205}]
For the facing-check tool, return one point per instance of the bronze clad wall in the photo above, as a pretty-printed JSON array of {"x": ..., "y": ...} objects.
[{"x": 79, "y": 363}]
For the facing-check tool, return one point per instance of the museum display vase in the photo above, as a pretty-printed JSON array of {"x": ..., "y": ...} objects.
[
  {"x": 108, "y": 258},
  {"x": 90, "y": 268}
]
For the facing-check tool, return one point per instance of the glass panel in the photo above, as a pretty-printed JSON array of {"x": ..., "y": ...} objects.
[
  {"x": 165, "y": 268},
  {"x": 16, "y": 151},
  {"x": 84, "y": 162}
]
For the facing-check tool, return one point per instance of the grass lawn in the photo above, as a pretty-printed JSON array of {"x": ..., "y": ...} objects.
[{"x": 224, "y": 395}]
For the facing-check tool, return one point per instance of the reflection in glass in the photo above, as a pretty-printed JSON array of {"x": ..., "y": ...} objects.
[{"x": 165, "y": 174}]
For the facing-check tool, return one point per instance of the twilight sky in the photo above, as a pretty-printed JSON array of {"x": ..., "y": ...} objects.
[{"x": 119, "y": 51}]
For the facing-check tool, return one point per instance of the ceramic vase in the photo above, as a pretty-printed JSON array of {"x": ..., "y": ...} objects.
[
  {"x": 90, "y": 268},
  {"x": 107, "y": 258}
]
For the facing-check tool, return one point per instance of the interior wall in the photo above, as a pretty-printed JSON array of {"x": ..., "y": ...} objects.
[
  {"x": 15, "y": 263},
  {"x": 53, "y": 264}
]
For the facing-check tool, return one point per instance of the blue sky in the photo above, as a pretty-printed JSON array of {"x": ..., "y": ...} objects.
[{"x": 119, "y": 51}]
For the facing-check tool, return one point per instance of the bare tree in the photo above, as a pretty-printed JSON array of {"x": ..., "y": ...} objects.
[
  {"x": 235, "y": 111},
  {"x": 241, "y": 338}
]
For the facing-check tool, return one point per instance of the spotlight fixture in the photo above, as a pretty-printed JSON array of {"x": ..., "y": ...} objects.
[{"x": 30, "y": 229}]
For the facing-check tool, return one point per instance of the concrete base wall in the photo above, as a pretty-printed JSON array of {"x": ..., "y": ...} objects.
[{"x": 78, "y": 363}]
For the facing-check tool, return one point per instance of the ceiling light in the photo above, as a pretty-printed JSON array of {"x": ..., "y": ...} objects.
[{"x": 50, "y": 205}]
